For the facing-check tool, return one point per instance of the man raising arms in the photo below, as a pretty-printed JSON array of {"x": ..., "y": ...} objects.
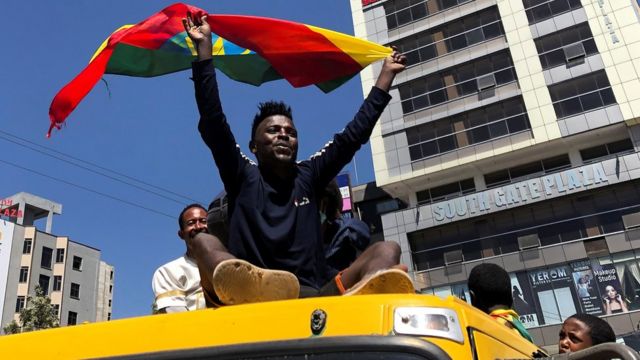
[{"x": 274, "y": 226}]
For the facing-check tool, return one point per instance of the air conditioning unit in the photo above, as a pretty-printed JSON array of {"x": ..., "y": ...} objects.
[
  {"x": 486, "y": 81},
  {"x": 574, "y": 53},
  {"x": 631, "y": 220},
  {"x": 528, "y": 241},
  {"x": 453, "y": 257}
]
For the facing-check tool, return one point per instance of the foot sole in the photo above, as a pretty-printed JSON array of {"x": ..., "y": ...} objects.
[
  {"x": 390, "y": 281},
  {"x": 237, "y": 281}
]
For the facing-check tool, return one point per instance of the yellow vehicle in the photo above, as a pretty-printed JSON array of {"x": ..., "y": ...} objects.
[{"x": 362, "y": 327}]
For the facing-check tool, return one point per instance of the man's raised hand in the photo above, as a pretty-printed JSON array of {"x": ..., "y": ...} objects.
[{"x": 199, "y": 32}]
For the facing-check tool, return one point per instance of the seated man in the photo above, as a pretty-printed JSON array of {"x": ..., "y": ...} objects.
[
  {"x": 273, "y": 206},
  {"x": 176, "y": 284},
  {"x": 343, "y": 238},
  {"x": 490, "y": 290}
]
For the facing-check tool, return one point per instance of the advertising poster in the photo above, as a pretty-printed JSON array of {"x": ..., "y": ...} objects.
[
  {"x": 6, "y": 239},
  {"x": 345, "y": 190},
  {"x": 523, "y": 300},
  {"x": 586, "y": 289},
  {"x": 612, "y": 297},
  {"x": 549, "y": 285}
]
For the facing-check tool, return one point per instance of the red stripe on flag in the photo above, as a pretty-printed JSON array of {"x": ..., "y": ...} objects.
[
  {"x": 278, "y": 41},
  {"x": 68, "y": 98}
]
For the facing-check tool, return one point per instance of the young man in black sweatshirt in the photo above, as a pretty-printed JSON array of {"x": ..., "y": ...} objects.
[{"x": 274, "y": 225}]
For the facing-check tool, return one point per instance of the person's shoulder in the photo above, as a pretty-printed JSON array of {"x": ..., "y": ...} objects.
[{"x": 182, "y": 260}]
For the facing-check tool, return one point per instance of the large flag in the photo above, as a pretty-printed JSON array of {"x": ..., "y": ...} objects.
[{"x": 249, "y": 49}]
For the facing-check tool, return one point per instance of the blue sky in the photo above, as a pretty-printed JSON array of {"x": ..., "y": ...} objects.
[{"x": 146, "y": 129}]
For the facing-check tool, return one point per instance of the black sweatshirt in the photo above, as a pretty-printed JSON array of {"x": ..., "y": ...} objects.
[{"x": 276, "y": 225}]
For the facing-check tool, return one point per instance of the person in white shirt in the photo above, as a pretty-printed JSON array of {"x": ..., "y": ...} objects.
[{"x": 176, "y": 284}]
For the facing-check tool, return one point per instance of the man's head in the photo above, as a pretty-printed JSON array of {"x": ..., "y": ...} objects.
[
  {"x": 490, "y": 286},
  {"x": 192, "y": 220},
  {"x": 331, "y": 201},
  {"x": 581, "y": 331},
  {"x": 274, "y": 139}
]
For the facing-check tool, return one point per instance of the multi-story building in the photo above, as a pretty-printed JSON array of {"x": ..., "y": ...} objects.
[
  {"x": 79, "y": 284},
  {"x": 513, "y": 137}
]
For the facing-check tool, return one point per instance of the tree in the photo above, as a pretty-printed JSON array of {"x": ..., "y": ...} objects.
[{"x": 38, "y": 314}]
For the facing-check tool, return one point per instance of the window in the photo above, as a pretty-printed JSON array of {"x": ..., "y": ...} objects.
[
  {"x": 77, "y": 263},
  {"x": 463, "y": 32},
  {"x": 110, "y": 289},
  {"x": 528, "y": 170},
  {"x": 111, "y": 275},
  {"x": 456, "y": 82},
  {"x": 57, "y": 283},
  {"x": 26, "y": 247},
  {"x": 47, "y": 254},
  {"x": 446, "y": 191},
  {"x": 72, "y": 318},
  {"x": 579, "y": 95},
  {"x": 43, "y": 282},
  {"x": 466, "y": 129},
  {"x": 59, "y": 255},
  {"x": 24, "y": 274},
  {"x": 109, "y": 302},
  {"x": 401, "y": 12},
  {"x": 20, "y": 303},
  {"x": 554, "y": 48},
  {"x": 600, "y": 152},
  {"x": 108, "y": 316},
  {"x": 75, "y": 291},
  {"x": 539, "y": 10},
  {"x": 56, "y": 309}
]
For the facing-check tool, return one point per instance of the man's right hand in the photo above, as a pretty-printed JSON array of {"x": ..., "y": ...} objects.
[{"x": 199, "y": 32}]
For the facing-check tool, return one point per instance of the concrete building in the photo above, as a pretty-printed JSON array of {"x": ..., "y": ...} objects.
[
  {"x": 79, "y": 284},
  {"x": 513, "y": 138}
]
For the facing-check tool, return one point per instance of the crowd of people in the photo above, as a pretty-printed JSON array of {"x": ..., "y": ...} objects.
[{"x": 283, "y": 235}]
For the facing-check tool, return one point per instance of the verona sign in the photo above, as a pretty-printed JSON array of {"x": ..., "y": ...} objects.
[{"x": 520, "y": 193}]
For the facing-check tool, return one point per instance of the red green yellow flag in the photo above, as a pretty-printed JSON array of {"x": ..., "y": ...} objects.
[{"x": 249, "y": 49}]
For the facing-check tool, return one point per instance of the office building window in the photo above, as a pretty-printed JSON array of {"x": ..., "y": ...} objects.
[
  {"x": 110, "y": 289},
  {"x": 401, "y": 12},
  {"x": 72, "y": 318},
  {"x": 56, "y": 309},
  {"x": 47, "y": 254},
  {"x": 108, "y": 316},
  {"x": 604, "y": 151},
  {"x": 456, "y": 82},
  {"x": 466, "y": 129},
  {"x": 77, "y": 263},
  {"x": 579, "y": 95},
  {"x": 456, "y": 35},
  {"x": 75, "y": 291},
  {"x": 109, "y": 302},
  {"x": 43, "y": 282},
  {"x": 446, "y": 191},
  {"x": 26, "y": 247},
  {"x": 111, "y": 275},
  {"x": 551, "y": 48},
  {"x": 57, "y": 283},
  {"x": 528, "y": 170},
  {"x": 20, "y": 303},
  {"x": 24, "y": 274},
  {"x": 59, "y": 255},
  {"x": 539, "y": 10}
]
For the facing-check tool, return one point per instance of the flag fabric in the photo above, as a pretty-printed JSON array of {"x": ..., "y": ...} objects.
[{"x": 249, "y": 49}]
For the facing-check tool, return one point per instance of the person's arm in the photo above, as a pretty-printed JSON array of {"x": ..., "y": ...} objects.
[
  {"x": 213, "y": 126},
  {"x": 169, "y": 292},
  {"x": 328, "y": 162}
]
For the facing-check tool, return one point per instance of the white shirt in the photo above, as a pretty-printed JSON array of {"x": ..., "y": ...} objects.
[{"x": 177, "y": 283}]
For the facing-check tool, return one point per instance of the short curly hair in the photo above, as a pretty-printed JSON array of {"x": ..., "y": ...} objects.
[
  {"x": 491, "y": 286},
  {"x": 599, "y": 330},
  {"x": 269, "y": 108}
]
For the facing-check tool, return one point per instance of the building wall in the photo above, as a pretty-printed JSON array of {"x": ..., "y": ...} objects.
[
  {"x": 489, "y": 220},
  {"x": 85, "y": 305},
  {"x": 104, "y": 296}
]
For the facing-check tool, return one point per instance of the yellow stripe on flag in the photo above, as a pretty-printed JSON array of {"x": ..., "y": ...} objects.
[
  {"x": 364, "y": 52},
  {"x": 104, "y": 43}
]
